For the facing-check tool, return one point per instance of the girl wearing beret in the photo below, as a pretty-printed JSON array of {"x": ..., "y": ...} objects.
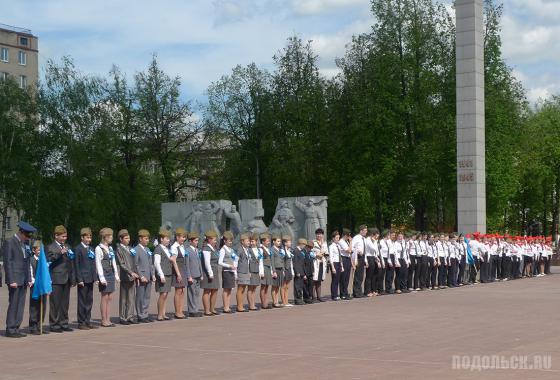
[
  {"x": 243, "y": 272},
  {"x": 180, "y": 273},
  {"x": 266, "y": 280},
  {"x": 211, "y": 277},
  {"x": 277, "y": 269},
  {"x": 256, "y": 268},
  {"x": 227, "y": 260},
  {"x": 107, "y": 272},
  {"x": 164, "y": 268},
  {"x": 286, "y": 251}
]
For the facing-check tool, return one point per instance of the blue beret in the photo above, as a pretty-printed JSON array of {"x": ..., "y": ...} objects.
[{"x": 26, "y": 227}]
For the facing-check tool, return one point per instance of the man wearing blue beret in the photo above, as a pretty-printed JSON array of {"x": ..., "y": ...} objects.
[{"x": 17, "y": 254}]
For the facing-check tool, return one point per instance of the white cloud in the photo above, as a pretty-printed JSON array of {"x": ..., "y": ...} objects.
[
  {"x": 309, "y": 7},
  {"x": 534, "y": 95}
]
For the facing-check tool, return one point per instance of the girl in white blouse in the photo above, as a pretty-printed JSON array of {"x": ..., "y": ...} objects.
[{"x": 107, "y": 272}]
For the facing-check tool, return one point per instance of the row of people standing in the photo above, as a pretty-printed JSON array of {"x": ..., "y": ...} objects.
[
  {"x": 394, "y": 262},
  {"x": 375, "y": 264}
]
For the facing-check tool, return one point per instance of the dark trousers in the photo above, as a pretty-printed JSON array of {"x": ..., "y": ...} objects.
[
  {"x": 298, "y": 289},
  {"x": 35, "y": 312},
  {"x": 358, "y": 278},
  {"x": 369, "y": 285},
  {"x": 452, "y": 272},
  {"x": 16, "y": 306},
  {"x": 462, "y": 265},
  {"x": 493, "y": 267},
  {"x": 472, "y": 271},
  {"x": 389, "y": 276},
  {"x": 432, "y": 272},
  {"x": 345, "y": 277},
  {"x": 85, "y": 303},
  {"x": 412, "y": 278},
  {"x": 58, "y": 306},
  {"x": 335, "y": 279},
  {"x": 506, "y": 267},
  {"x": 485, "y": 269},
  {"x": 499, "y": 272},
  {"x": 402, "y": 275},
  {"x": 442, "y": 273},
  {"x": 547, "y": 265},
  {"x": 308, "y": 289},
  {"x": 515, "y": 267},
  {"x": 379, "y": 276},
  {"x": 421, "y": 272}
]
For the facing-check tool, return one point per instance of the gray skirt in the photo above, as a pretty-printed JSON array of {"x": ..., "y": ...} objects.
[
  {"x": 215, "y": 283},
  {"x": 111, "y": 283},
  {"x": 279, "y": 280},
  {"x": 288, "y": 275},
  {"x": 177, "y": 284},
  {"x": 267, "y": 280},
  {"x": 244, "y": 278},
  {"x": 163, "y": 288},
  {"x": 228, "y": 279},
  {"x": 255, "y": 279}
]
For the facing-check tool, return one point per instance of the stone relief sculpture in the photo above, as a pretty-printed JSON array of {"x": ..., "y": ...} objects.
[
  {"x": 252, "y": 214},
  {"x": 283, "y": 222},
  {"x": 314, "y": 217},
  {"x": 296, "y": 216}
]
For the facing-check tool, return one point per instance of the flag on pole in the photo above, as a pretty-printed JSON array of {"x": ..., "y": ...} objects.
[
  {"x": 470, "y": 258},
  {"x": 42, "y": 284}
]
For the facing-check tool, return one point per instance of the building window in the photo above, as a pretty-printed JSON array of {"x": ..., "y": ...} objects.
[
  {"x": 22, "y": 81},
  {"x": 23, "y": 41},
  {"x": 4, "y": 55},
  {"x": 3, "y": 76},
  {"x": 22, "y": 58}
]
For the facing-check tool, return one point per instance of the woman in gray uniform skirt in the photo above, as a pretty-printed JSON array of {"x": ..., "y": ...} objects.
[
  {"x": 211, "y": 277},
  {"x": 228, "y": 262},
  {"x": 243, "y": 273},
  {"x": 277, "y": 269},
  {"x": 257, "y": 270},
  {"x": 266, "y": 280},
  {"x": 164, "y": 268},
  {"x": 288, "y": 268},
  {"x": 180, "y": 272},
  {"x": 107, "y": 273}
]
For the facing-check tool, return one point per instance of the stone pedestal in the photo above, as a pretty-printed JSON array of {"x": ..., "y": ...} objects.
[{"x": 471, "y": 170}]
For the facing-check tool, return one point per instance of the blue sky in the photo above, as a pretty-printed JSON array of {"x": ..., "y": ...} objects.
[{"x": 200, "y": 40}]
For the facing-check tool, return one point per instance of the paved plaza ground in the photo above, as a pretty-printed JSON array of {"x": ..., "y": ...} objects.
[{"x": 398, "y": 337}]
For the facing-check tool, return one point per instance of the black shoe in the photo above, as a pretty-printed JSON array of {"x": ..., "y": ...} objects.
[
  {"x": 92, "y": 326},
  {"x": 126, "y": 323},
  {"x": 34, "y": 332},
  {"x": 133, "y": 321},
  {"x": 195, "y": 315},
  {"x": 83, "y": 327},
  {"x": 143, "y": 320},
  {"x": 57, "y": 330},
  {"x": 13, "y": 335},
  {"x": 67, "y": 328},
  {"x": 320, "y": 299}
]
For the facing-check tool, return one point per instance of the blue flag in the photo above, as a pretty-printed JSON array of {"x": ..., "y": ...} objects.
[
  {"x": 42, "y": 284},
  {"x": 470, "y": 258}
]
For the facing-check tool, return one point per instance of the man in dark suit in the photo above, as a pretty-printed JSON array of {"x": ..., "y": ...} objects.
[
  {"x": 299, "y": 271},
  {"x": 17, "y": 268},
  {"x": 308, "y": 272},
  {"x": 86, "y": 276},
  {"x": 62, "y": 276}
]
